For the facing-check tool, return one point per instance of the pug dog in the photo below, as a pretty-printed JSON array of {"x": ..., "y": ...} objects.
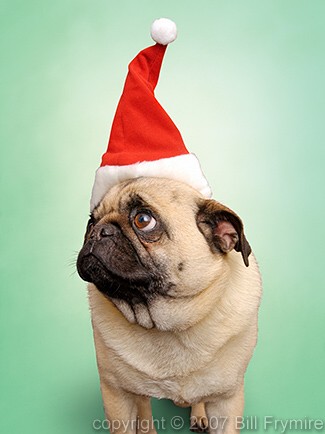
[{"x": 174, "y": 292}]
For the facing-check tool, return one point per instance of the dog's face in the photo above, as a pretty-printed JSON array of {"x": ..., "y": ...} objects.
[{"x": 155, "y": 244}]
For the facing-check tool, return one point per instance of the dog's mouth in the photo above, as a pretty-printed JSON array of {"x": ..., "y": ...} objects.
[
  {"x": 128, "y": 279},
  {"x": 92, "y": 269},
  {"x": 131, "y": 296}
]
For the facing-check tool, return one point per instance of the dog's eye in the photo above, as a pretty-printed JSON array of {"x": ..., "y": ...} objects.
[{"x": 144, "y": 222}]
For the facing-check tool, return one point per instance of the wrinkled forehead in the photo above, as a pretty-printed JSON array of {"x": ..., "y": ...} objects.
[{"x": 157, "y": 193}]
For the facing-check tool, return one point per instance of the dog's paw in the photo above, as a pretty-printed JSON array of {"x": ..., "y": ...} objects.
[{"x": 199, "y": 424}]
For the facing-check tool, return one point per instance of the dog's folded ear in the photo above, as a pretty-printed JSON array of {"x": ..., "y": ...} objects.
[{"x": 222, "y": 228}]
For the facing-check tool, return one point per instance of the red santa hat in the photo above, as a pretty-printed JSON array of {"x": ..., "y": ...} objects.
[{"x": 144, "y": 141}]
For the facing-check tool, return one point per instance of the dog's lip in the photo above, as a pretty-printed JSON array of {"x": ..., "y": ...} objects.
[
  {"x": 91, "y": 254},
  {"x": 81, "y": 263},
  {"x": 110, "y": 274}
]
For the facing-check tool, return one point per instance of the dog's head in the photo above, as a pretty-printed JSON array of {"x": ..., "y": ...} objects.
[{"x": 153, "y": 245}]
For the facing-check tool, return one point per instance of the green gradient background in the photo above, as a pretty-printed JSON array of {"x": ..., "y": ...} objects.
[{"x": 244, "y": 82}]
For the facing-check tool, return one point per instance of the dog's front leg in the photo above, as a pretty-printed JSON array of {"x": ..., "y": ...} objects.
[
  {"x": 120, "y": 409},
  {"x": 224, "y": 414},
  {"x": 145, "y": 423},
  {"x": 199, "y": 420},
  {"x": 127, "y": 413}
]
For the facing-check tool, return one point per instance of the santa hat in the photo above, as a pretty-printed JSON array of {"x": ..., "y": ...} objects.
[{"x": 144, "y": 141}]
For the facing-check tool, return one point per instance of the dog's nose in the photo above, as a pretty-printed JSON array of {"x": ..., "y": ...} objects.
[
  {"x": 108, "y": 230},
  {"x": 104, "y": 231}
]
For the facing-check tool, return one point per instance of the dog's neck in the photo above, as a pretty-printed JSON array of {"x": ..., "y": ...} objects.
[{"x": 166, "y": 313}]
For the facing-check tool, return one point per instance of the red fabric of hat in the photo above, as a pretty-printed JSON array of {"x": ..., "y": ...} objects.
[{"x": 142, "y": 130}]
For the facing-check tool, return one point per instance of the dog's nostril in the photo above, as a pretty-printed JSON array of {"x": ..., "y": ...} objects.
[{"x": 106, "y": 231}]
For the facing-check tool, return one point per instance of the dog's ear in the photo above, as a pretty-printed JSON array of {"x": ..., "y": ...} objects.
[{"x": 222, "y": 228}]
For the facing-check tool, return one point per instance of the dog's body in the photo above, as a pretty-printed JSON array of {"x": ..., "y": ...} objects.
[{"x": 173, "y": 302}]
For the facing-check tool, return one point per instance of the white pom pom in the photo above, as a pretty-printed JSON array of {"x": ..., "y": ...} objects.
[{"x": 163, "y": 31}]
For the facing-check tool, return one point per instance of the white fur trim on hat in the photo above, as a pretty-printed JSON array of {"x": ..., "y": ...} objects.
[
  {"x": 163, "y": 31},
  {"x": 185, "y": 168}
]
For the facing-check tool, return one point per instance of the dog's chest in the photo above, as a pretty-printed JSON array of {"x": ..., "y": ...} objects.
[
  {"x": 192, "y": 388},
  {"x": 166, "y": 368},
  {"x": 192, "y": 383}
]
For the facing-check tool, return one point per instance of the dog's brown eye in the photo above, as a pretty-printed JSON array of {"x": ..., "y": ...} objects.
[{"x": 144, "y": 221}]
